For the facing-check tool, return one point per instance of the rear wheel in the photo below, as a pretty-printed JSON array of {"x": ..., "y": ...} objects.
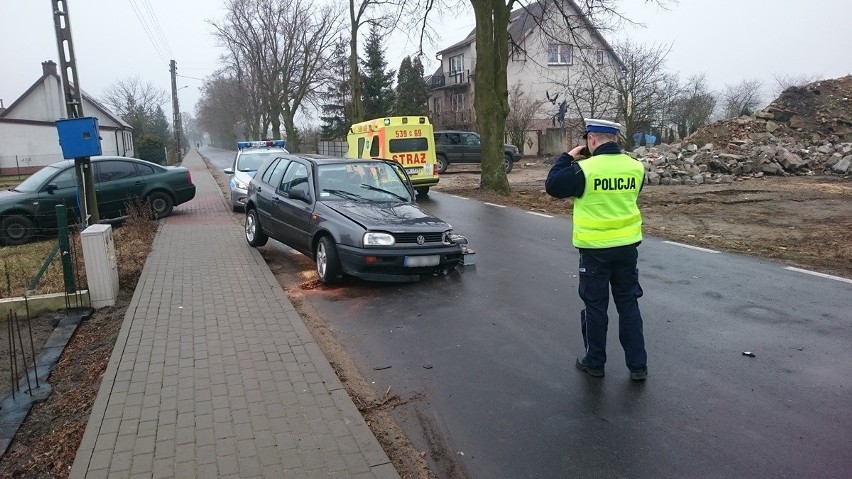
[
  {"x": 161, "y": 204},
  {"x": 422, "y": 191},
  {"x": 441, "y": 163},
  {"x": 254, "y": 234},
  {"x": 508, "y": 163},
  {"x": 328, "y": 263},
  {"x": 16, "y": 229}
]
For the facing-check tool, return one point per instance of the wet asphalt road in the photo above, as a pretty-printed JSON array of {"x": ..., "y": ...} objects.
[{"x": 491, "y": 349}]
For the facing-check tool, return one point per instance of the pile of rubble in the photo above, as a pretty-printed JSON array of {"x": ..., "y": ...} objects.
[{"x": 805, "y": 131}]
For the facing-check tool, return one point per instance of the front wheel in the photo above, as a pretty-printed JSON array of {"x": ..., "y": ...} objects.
[
  {"x": 328, "y": 263},
  {"x": 508, "y": 163},
  {"x": 161, "y": 204},
  {"x": 254, "y": 235},
  {"x": 16, "y": 229},
  {"x": 441, "y": 164}
]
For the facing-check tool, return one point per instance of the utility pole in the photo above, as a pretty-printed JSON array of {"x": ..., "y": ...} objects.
[
  {"x": 175, "y": 110},
  {"x": 74, "y": 107}
]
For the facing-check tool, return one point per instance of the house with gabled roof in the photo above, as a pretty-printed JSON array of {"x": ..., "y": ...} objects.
[
  {"x": 28, "y": 137},
  {"x": 555, "y": 53}
]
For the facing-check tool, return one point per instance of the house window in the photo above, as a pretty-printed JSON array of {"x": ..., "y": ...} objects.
[
  {"x": 599, "y": 57},
  {"x": 457, "y": 69},
  {"x": 436, "y": 105},
  {"x": 458, "y": 102},
  {"x": 456, "y": 64},
  {"x": 560, "y": 54}
]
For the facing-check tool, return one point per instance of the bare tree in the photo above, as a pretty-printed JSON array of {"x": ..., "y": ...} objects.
[
  {"x": 220, "y": 111},
  {"x": 279, "y": 50},
  {"x": 522, "y": 109},
  {"x": 591, "y": 93},
  {"x": 694, "y": 106},
  {"x": 121, "y": 94},
  {"x": 784, "y": 81},
  {"x": 644, "y": 87},
  {"x": 742, "y": 98},
  {"x": 249, "y": 33},
  {"x": 305, "y": 59}
]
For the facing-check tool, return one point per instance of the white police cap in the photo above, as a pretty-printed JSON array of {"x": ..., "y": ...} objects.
[{"x": 602, "y": 126}]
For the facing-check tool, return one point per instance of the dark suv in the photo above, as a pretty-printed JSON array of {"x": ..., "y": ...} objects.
[{"x": 452, "y": 146}]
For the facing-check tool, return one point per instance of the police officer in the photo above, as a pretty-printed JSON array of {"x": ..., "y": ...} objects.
[{"x": 607, "y": 230}]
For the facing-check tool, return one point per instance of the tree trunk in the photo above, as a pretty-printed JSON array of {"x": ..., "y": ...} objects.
[
  {"x": 292, "y": 136},
  {"x": 275, "y": 120},
  {"x": 354, "y": 74},
  {"x": 491, "y": 94}
]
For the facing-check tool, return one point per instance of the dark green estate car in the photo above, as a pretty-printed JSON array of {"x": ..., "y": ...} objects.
[{"x": 29, "y": 210}]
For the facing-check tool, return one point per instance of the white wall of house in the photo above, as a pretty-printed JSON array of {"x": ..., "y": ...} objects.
[
  {"x": 464, "y": 96},
  {"x": 42, "y": 104},
  {"x": 538, "y": 76},
  {"x": 28, "y": 136},
  {"x": 26, "y": 147}
]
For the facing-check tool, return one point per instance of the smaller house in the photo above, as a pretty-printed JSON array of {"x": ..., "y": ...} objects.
[{"x": 28, "y": 137}]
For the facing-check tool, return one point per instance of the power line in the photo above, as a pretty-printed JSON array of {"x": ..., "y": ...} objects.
[
  {"x": 159, "y": 50},
  {"x": 159, "y": 30},
  {"x": 191, "y": 78}
]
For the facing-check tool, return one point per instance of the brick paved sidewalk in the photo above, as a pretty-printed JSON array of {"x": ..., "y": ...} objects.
[{"x": 214, "y": 374}]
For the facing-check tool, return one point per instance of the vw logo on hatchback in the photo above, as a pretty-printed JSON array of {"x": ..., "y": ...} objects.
[{"x": 421, "y": 239}]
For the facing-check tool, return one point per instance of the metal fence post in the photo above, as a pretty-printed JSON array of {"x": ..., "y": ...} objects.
[{"x": 65, "y": 249}]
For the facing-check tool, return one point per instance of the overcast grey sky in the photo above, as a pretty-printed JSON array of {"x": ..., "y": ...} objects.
[{"x": 729, "y": 40}]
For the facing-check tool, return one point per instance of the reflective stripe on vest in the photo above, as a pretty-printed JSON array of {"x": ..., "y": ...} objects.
[{"x": 606, "y": 215}]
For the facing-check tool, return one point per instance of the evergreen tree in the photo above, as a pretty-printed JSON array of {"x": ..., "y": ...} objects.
[
  {"x": 336, "y": 111},
  {"x": 412, "y": 95},
  {"x": 157, "y": 124},
  {"x": 135, "y": 116},
  {"x": 378, "y": 94}
]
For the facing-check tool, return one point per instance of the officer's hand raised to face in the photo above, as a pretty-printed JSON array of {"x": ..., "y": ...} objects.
[{"x": 578, "y": 152}]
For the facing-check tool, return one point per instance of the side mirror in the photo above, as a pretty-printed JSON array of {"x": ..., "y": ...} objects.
[
  {"x": 301, "y": 194},
  {"x": 229, "y": 171},
  {"x": 51, "y": 188}
]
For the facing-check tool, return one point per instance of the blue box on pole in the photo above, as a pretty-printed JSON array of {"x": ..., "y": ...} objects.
[{"x": 79, "y": 137}]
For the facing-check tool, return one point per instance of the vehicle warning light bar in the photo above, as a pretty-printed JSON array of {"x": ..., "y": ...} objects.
[{"x": 261, "y": 144}]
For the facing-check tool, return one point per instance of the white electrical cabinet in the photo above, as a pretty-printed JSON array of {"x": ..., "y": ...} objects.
[{"x": 101, "y": 264}]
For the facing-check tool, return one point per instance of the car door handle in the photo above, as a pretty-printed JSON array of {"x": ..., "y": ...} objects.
[
  {"x": 276, "y": 199},
  {"x": 138, "y": 183}
]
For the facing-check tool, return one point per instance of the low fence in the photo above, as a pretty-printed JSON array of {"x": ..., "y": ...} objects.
[
  {"x": 332, "y": 148},
  {"x": 24, "y": 165}
]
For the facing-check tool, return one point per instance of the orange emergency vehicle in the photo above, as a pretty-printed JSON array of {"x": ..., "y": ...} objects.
[{"x": 408, "y": 140}]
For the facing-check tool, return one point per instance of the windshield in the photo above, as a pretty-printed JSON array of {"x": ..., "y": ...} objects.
[
  {"x": 251, "y": 161},
  {"x": 372, "y": 181},
  {"x": 37, "y": 179}
]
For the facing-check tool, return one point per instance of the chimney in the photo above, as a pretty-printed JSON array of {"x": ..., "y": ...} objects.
[{"x": 49, "y": 67}]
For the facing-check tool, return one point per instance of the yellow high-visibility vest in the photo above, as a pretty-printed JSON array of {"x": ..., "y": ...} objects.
[{"x": 606, "y": 215}]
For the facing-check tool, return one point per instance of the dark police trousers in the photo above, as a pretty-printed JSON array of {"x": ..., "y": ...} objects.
[{"x": 600, "y": 269}]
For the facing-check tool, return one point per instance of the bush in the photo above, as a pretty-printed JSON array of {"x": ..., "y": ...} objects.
[{"x": 151, "y": 148}]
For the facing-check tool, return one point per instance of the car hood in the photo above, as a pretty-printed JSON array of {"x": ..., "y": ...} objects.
[
  {"x": 393, "y": 217},
  {"x": 7, "y": 195},
  {"x": 244, "y": 176}
]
